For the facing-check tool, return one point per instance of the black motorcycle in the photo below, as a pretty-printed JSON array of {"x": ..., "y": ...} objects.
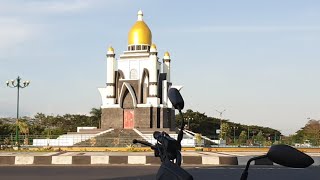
[{"x": 169, "y": 150}]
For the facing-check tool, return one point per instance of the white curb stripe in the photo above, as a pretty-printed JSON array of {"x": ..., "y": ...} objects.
[
  {"x": 214, "y": 160},
  {"x": 137, "y": 159},
  {"x": 61, "y": 159},
  {"x": 99, "y": 159},
  {"x": 316, "y": 161},
  {"x": 20, "y": 160},
  {"x": 242, "y": 160}
]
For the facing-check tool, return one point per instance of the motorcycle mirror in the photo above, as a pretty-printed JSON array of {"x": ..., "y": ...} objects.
[
  {"x": 289, "y": 156},
  {"x": 156, "y": 134},
  {"x": 176, "y": 98}
]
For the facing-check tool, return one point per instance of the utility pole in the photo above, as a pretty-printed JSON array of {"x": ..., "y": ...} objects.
[{"x": 220, "y": 113}]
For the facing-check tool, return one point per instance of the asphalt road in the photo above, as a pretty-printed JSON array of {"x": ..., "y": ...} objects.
[{"x": 148, "y": 172}]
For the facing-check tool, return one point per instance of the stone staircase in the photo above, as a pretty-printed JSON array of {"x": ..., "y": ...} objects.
[
  {"x": 87, "y": 131},
  {"x": 115, "y": 138},
  {"x": 150, "y": 131}
]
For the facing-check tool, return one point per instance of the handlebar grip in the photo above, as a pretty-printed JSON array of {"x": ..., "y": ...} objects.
[{"x": 135, "y": 141}]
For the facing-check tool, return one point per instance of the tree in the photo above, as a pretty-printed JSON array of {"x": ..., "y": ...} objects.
[
  {"x": 24, "y": 129},
  {"x": 243, "y": 137},
  {"x": 6, "y": 129},
  {"x": 225, "y": 131},
  {"x": 200, "y": 123},
  {"x": 312, "y": 132},
  {"x": 299, "y": 137},
  {"x": 207, "y": 126},
  {"x": 96, "y": 117},
  {"x": 260, "y": 138},
  {"x": 198, "y": 139}
]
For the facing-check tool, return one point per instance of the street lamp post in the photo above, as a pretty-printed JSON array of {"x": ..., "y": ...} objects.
[
  {"x": 248, "y": 134},
  {"x": 189, "y": 118},
  {"x": 253, "y": 136},
  {"x": 220, "y": 113},
  {"x": 17, "y": 84},
  {"x": 234, "y": 133}
]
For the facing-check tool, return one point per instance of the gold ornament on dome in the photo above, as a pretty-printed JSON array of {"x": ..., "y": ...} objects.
[
  {"x": 110, "y": 49},
  {"x": 153, "y": 46}
]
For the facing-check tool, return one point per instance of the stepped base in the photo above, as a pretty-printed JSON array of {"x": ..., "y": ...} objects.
[
  {"x": 115, "y": 138},
  {"x": 151, "y": 130}
]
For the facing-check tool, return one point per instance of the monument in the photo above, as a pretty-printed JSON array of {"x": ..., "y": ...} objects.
[{"x": 135, "y": 95}]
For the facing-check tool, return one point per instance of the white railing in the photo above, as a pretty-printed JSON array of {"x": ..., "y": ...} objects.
[
  {"x": 67, "y": 139},
  {"x": 187, "y": 141}
]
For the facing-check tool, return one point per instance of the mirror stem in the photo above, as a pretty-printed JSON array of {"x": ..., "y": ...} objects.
[
  {"x": 244, "y": 175},
  {"x": 180, "y": 134}
]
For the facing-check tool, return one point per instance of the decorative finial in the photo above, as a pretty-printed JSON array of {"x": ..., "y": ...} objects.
[
  {"x": 166, "y": 56},
  {"x": 140, "y": 15},
  {"x": 153, "y": 46},
  {"x": 110, "y": 50}
]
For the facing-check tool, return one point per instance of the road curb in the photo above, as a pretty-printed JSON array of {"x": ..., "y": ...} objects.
[{"x": 132, "y": 160}]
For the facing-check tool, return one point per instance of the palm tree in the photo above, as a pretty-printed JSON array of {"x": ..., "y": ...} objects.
[
  {"x": 24, "y": 129},
  {"x": 96, "y": 116}
]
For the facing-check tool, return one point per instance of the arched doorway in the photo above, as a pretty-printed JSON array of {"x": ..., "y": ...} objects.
[
  {"x": 128, "y": 111},
  {"x": 128, "y": 118},
  {"x": 128, "y": 103}
]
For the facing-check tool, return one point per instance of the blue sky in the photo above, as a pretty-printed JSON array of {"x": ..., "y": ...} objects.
[{"x": 259, "y": 60}]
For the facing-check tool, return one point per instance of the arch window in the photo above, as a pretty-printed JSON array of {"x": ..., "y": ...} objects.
[{"x": 133, "y": 74}]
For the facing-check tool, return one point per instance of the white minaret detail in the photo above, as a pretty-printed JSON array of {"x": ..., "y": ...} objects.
[
  {"x": 153, "y": 70},
  {"x": 166, "y": 65},
  {"x": 111, "y": 62}
]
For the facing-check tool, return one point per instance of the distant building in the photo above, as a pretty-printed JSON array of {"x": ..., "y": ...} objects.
[{"x": 135, "y": 95}]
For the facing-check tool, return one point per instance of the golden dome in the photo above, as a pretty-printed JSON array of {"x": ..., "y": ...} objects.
[
  {"x": 153, "y": 46},
  {"x": 111, "y": 49},
  {"x": 167, "y": 54},
  {"x": 140, "y": 32}
]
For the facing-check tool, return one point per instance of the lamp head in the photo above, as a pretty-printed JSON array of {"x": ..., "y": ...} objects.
[{"x": 26, "y": 83}]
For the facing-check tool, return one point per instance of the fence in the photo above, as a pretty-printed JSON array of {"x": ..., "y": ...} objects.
[
  {"x": 81, "y": 140},
  {"x": 89, "y": 140}
]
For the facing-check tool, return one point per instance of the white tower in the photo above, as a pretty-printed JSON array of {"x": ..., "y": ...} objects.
[
  {"x": 153, "y": 68},
  {"x": 166, "y": 65},
  {"x": 111, "y": 65}
]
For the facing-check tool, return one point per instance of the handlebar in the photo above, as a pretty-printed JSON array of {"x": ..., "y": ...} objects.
[{"x": 135, "y": 141}]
